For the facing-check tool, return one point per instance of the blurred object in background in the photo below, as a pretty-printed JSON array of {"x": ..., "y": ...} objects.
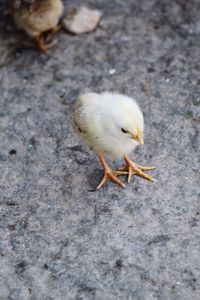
[
  {"x": 39, "y": 19},
  {"x": 81, "y": 20}
]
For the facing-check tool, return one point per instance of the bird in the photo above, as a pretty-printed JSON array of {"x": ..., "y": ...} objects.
[
  {"x": 37, "y": 17},
  {"x": 111, "y": 124}
]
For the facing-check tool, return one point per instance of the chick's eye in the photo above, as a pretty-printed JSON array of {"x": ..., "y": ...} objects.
[{"x": 123, "y": 130}]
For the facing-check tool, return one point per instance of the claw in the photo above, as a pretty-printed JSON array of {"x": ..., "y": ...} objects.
[
  {"x": 136, "y": 169},
  {"x": 52, "y": 32},
  {"x": 110, "y": 175},
  {"x": 41, "y": 44}
]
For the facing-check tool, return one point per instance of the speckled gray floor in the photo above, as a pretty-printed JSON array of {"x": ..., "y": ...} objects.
[{"x": 59, "y": 238}]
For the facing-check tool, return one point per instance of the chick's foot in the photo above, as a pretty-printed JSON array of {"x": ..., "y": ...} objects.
[
  {"x": 42, "y": 46},
  {"x": 136, "y": 169},
  {"x": 109, "y": 174},
  {"x": 52, "y": 32}
]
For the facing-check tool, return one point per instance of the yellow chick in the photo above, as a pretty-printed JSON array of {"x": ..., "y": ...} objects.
[
  {"x": 111, "y": 124},
  {"x": 37, "y": 17}
]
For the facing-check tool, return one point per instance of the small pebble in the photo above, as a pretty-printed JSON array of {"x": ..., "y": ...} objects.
[
  {"x": 81, "y": 20},
  {"x": 112, "y": 71}
]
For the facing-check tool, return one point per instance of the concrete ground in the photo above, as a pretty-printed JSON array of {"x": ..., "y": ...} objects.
[{"x": 59, "y": 237}]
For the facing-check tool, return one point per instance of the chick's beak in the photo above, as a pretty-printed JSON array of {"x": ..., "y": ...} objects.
[{"x": 139, "y": 140}]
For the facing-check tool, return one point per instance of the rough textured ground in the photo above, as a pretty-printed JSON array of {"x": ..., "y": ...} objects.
[{"x": 61, "y": 239}]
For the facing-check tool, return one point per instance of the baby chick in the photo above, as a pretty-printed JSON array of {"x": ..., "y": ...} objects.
[
  {"x": 37, "y": 17},
  {"x": 111, "y": 124}
]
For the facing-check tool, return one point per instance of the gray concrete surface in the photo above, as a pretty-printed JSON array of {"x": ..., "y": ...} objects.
[{"x": 61, "y": 239}]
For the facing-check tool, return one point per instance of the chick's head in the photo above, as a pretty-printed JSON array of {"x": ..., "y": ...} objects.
[{"x": 125, "y": 119}]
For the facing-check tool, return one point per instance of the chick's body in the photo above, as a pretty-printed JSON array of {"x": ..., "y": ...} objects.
[
  {"x": 111, "y": 124},
  {"x": 38, "y": 17},
  {"x": 101, "y": 119}
]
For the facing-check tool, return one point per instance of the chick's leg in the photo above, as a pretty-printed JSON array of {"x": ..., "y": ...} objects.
[
  {"x": 109, "y": 174},
  {"x": 52, "y": 32},
  {"x": 41, "y": 44},
  {"x": 136, "y": 169}
]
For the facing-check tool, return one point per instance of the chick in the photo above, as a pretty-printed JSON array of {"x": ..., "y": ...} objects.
[
  {"x": 37, "y": 17},
  {"x": 111, "y": 124}
]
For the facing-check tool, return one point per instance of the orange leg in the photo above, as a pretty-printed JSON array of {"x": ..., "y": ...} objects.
[
  {"x": 109, "y": 174},
  {"x": 52, "y": 31},
  {"x": 136, "y": 169},
  {"x": 41, "y": 44}
]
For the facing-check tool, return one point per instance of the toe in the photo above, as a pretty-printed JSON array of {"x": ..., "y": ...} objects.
[{"x": 111, "y": 177}]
